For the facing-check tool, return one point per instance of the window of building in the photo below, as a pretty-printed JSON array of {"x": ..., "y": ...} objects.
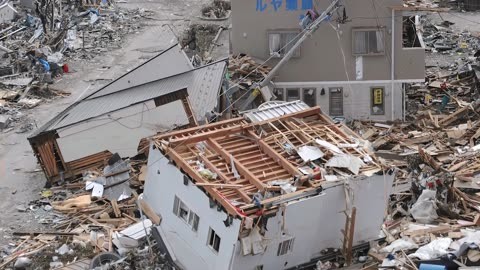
[
  {"x": 193, "y": 220},
  {"x": 280, "y": 42},
  {"x": 409, "y": 33},
  {"x": 377, "y": 100},
  {"x": 293, "y": 94},
  {"x": 181, "y": 210},
  {"x": 310, "y": 96},
  {"x": 213, "y": 240},
  {"x": 285, "y": 247},
  {"x": 278, "y": 92},
  {"x": 336, "y": 101},
  {"x": 368, "y": 41}
]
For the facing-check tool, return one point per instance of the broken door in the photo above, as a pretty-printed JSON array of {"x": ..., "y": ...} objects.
[{"x": 336, "y": 101}]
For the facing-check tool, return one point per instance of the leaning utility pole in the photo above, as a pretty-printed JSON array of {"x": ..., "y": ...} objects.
[{"x": 309, "y": 31}]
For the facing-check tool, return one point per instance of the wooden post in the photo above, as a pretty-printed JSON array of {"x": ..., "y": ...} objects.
[
  {"x": 188, "y": 109},
  {"x": 348, "y": 234}
]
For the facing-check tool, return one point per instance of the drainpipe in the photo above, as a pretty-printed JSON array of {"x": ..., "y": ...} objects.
[{"x": 393, "y": 62}]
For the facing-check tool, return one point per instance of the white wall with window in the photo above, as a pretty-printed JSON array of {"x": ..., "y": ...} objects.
[
  {"x": 299, "y": 232},
  {"x": 187, "y": 218},
  {"x": 365, "y": 100},
  {"x": 281, "y": 41},
  {"x": 369, "y": 41}
]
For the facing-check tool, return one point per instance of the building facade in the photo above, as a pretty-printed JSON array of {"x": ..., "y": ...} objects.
[{"x": 356, "y": 69}]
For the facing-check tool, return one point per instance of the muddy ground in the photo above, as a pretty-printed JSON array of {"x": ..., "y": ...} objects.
[{"x": 21, "y": 179}]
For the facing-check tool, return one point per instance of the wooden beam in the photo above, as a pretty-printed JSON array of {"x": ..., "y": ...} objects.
[
  {"x": 189, "y": 111},
  {"x": 239, "y": 166},
  {"x": 267, "y": 149},
  {"x": 202, "y": 136},
  {"x": 413, "y": 8},
  {"x": 219, "y": 185},
  {"x": 199, "y": 179},
  {"x": 196, "y": 129}
]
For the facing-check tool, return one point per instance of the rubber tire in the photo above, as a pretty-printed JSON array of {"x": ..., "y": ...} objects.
[{"x": 102, "y": 258}]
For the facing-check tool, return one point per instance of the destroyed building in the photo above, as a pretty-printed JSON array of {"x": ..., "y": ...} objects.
[
  {"x": 163, "y": 93},
  {"x": 355, "y": 67},
  {"x": 268, "y": 190}
]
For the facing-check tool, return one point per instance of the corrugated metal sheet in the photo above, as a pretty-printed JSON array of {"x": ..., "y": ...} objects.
[
  {"x": 202, "y": 85},
  {"x": 168, "y": 63},
  {"x": 275, "y": 109}
]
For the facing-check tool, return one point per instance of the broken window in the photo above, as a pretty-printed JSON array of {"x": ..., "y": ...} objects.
[
  {"x": 368, "y": 41},
  {"x": 377, "y": 100},
  {"x": 285, "y": 247},
  {"x": 213, "y": 240},
  {"x": 293, "y": 94},
  {"x": 181, "y": 210},
  {"x": 409, "y": 33},
  {"x": 278, "y": 92},
  {"x": 279, "y": 43},
  {"x": 310, "y": 96}
]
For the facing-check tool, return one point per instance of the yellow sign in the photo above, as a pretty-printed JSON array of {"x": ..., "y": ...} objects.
[{"x": 377, "y": 96}]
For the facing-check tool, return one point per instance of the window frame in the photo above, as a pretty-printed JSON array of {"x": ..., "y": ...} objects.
[
  {"x": 211, "y": 243},
  {"x": 191, "y": 219},
  {"x": 299, "y": 96},
  {"x": 369, "y": 29},
  {"x": 330, "y": 90},
  {"x": 372, "y": 100},
  {"x": 285, "y": 246},
  {"x": 281, "y": 32},
  {"x": 304, "y": 93},
  {"x": 282, "y": 90}
]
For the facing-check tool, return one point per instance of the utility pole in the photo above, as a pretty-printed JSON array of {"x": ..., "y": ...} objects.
[{"x": 309, "y": 31}]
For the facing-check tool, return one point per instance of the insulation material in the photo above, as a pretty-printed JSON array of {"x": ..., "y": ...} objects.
[
  {"x": 424, "y": 209},
  {"x": 310, "y": 153},
  {"x": 334, "y": 149},
  {"x": 352, "y": 163}
]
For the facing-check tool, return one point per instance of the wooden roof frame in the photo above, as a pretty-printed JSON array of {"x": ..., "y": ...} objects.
[{"x": 246, "y": 162}]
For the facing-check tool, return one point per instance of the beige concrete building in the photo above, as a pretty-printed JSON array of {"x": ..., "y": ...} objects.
[{"x": 357, "y": 69}]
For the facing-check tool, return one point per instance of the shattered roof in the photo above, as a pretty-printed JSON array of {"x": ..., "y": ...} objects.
[
  {"x": 202, "y": 84},
  {"x": 244, "y": 164}
]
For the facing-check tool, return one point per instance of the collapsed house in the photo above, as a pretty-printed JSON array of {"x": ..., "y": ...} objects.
[
  {"x": 268, "y": 190},
  {"x": 159, "y": 95}
]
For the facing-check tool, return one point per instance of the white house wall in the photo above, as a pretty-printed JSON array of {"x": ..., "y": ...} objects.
[
  {"x": 164, "y": 182},
  {"x": 315, "y": 223},
  {"x": 120, "y": 132}
]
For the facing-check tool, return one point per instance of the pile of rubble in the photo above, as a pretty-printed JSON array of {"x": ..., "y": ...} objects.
[
  {"x": 245, "y": 71},
  {"x": 199, "y": 40},
  {"x": 88, "y": 219},
  {"x": 37, "y": 46},
  {"x": 434, "y": 214},
  {"x": 219, "y": 9}
]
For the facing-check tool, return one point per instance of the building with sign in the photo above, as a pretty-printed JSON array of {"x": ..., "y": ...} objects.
[{"x": 357, "y": 69}]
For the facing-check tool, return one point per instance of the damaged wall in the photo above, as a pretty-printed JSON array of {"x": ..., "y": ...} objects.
[
  {"x": 164, "y": 181},
  {"x": 108, "y": 132},
  {"x": 315, "y": 223}
]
